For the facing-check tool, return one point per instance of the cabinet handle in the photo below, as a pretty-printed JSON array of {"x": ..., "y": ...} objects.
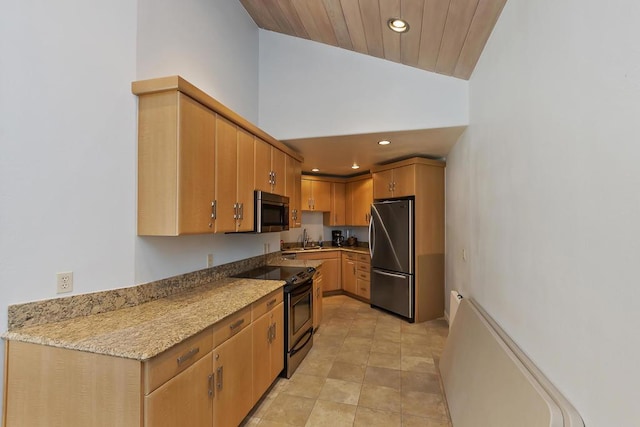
[
  {"x": 270, "y": 303},
  {"x": 219, "y": 385},
  {"x": 211, "y": 385},
  {"x": 275, "y": 178},
  {"x": 241, "y": 209},
  {"x": 269, "y": 334},
  {"x": 274, "y": 331},
  {"x": 236, "y": 324},
  {"x": 188, "y": 355},
  {"x": 214, "y": 209},
  {"x": 235, "y": 211}
]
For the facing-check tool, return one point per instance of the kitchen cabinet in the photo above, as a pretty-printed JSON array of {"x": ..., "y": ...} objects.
[
  {"x": 186, "y": 399},
  {"x": 176, "y": 165},
  {"x": 234, "y": 178},
  {"x": 363, "y": 276},
  {"x": 269, "y": 168},
  {"x": 331, "y": 280},
  {"x": 318, "y": 280},
  {"x": 183, "y": 187},
  {"x": 349, "y": 277},
  {"x": 359, "y": 196},
  {"x": 268, "y": 342},
  {"x": 293, "y": 191},
  {"x": 336, "y": 215},
  {"x": 396, "y": 182},
  {"x": 233, "y": 396},
  {"x": 316, "y": 195}
]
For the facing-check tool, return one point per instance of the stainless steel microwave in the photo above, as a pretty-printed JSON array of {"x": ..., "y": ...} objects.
[{"x": 271, "y": 212}]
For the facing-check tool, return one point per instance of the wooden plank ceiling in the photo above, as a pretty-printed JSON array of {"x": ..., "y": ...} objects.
[{"x": 445, "y": 36}]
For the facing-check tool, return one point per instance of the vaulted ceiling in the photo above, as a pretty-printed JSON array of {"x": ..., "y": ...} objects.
[{"x": 445, "y": 36}]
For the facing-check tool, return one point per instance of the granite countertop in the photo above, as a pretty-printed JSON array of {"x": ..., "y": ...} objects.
[
  {"x": 146, "y": 330},
  {"x": 297, "y": 263},
  {"x": 357, "y": 249}
]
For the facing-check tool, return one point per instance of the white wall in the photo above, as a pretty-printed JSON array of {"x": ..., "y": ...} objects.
[
  {"x": 309, "y": 89},
  {"x": 543, "y": 192},
  {"x": 68, "y": 136}
]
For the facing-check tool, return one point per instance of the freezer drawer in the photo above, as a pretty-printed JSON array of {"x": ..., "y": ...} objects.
[{"x": 392, "y": 291}]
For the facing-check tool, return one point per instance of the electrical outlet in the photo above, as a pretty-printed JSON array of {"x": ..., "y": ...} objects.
[
  {"x": 209, "y": 260},
  {"x": 65, "y": 282}
]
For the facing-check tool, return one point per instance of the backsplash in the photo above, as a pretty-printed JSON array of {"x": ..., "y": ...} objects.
[{"x": 57, "y": 309}]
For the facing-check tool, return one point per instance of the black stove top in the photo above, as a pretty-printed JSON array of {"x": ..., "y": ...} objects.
[{"x": 291, "y": 275}]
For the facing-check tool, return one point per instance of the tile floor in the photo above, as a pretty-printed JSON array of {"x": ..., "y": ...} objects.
[{"x": 366, "y": 368}]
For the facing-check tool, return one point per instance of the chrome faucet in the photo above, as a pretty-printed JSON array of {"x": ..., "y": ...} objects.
[{"x": 305, "y": 238}]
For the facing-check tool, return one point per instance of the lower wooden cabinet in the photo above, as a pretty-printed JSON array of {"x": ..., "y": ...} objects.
[
  {"x": 349, "y": 277},
  {"x": 318, "y": 283},
  {"x": 330, "y": 267},
  {"x": 185, "y": 399},
  {"x": 356, "y": 274},
  {"x": 211, "y": 379}
]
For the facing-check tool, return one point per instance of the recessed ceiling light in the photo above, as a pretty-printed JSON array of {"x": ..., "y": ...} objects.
[
  {"x": 398, "y": 25},
  {"x": 355, "y": 166},
  {"x": 385, "y": 142},
  {"x": 315, "y": 170}
]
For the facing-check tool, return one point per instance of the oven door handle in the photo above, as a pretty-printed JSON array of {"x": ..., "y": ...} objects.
[
  {"x": 301, "y": 290},
  {"x": 296, "y": 349}
]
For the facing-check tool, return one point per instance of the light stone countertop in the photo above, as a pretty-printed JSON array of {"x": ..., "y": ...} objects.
[
  {"x": 356, "y": 249},
  {"x": 146, "y": 330}
]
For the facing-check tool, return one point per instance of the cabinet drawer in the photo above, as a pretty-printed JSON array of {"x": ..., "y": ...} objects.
[
  {"x": 266, "y": 303},
  {"x": 363, "y": 289},
  {"x": 350, "y": 256},
  {"x": 363, "y": 267},
  {"x": 364, "y": 258},
  {"x": 321, "y": 254},
  {"x": 230, "y": 326},
  {"x": 168, "y": 364},
  {"x": 364, "y": 275}
]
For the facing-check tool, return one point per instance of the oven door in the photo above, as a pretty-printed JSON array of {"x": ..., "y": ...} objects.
[{"x": 300, "y": 326}]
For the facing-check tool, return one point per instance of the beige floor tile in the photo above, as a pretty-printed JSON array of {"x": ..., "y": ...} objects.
[
  {"x": 356, "y": 343},
  {"x": 416, "y": 350},
  {"x": 382, "y": 360},
  {"x": 366, "y": 417},
  {"x": 365, "y": 332},
  {"x": 293, "y": 410},
  {"x": 250, "y": 421},
  {"x": 427, "y": 405},
  {"x": 384, "y": 346},
  {"x": 304, "y": 385},
  {"x": 331, "y": 414},
  {"x": 270, "y": 423},
  {"x": 380, "y": 398},
  {"x": 340, "y": 391},
  {"x": 418, "y": 364},
  {"x": 387, "y": 335},
  {"x": 383, "y": 376},
  {"x": 318, "y": 366},
  {"x": 347, "y": 371},
  {"x": 263, "y": 404},
  {"x": 418, "y": 381},
  {"x": 353, "y": 356},
  {"x": 417, "y": 339},
  {"x": 413, "y": 421}
]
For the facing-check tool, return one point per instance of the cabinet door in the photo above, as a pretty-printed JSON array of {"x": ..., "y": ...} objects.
[
  {"x": 233, "y": 380},
  {"x": 349, "y": 275},
  {"x": 298, "y": 199},
  {"x": 338, "y": 203},
  {"x": 292, "y": 188},
  {"x": 382, "y": 184},
  {"x": 245, "y": 180},
  {"x": 331, "y": 280},
  {"x": 261, "y": 330},
  {"x": 183, "y": 400},
  {"x": 278, "y": 161},
  {"x": 262, "y": 166},
  {"x": 196, "y": 167},
  {"x": 362, "y": 198},
  {"x": 277, "y": 344},
  {"x": 404, "y": 181},
  {"x": 226, "y": 174},
  {"x": 321, "y": 194},
  {"x": 317, "y": 297},
  {"x": 306, "y": 196}
]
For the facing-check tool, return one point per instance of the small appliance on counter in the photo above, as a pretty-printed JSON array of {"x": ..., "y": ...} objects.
[
  {"x": 352, "y": 241},
  {"x": 336, "y": 238}
]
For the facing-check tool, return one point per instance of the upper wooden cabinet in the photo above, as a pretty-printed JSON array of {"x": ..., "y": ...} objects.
[
  {"x": 293, "y": 172},
  {"x": 199, "y": 162},
  {"x": 234, "y": 178},
  {"x": 269, "y": 168},
  {"x": 396, "y": 182},
  {"x": 359, "y": 196},
  {"x": 176, "y": 159},
  {"x": 316, "y": 195},
  {"x": 336, "y": 215}
]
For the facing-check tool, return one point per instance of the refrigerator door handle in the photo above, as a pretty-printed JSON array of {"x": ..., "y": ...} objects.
[
  {"x": 397, "y": 276},
  {"x": 371, "y": 236}
]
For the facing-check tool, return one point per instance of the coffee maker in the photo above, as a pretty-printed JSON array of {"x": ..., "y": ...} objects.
[{"x": 336, "y": 238}]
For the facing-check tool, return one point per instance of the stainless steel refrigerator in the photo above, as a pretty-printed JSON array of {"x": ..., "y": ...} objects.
[{"x": 391, "y": 234}]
